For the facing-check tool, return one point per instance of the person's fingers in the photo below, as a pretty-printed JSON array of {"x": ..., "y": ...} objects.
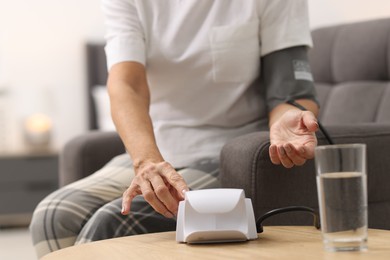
[
  {"x": 309, "y": 151},
  {"x": 310, "y": 121},
  {"x": 128, "y": 196},
  {"x": 285, "y": 161},
  {"x": 174, "y": 179},
  {"x": 273, "y": 154},
  {"x": 294, "y": 155},
  {"x": 151, "y": 197},
  {"x": 164, "y": 195}
]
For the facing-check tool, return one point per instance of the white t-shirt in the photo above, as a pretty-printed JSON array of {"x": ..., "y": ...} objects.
[{"x": 202, "y": 61}]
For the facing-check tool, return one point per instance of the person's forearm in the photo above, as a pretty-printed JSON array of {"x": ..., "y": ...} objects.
[
  {"x": 130, "y": 113},
  {"x": 156, "y": 179},
  {"x": 279, "y": 110}
]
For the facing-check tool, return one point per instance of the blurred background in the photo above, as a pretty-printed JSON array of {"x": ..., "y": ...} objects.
[
  {"x": 42, "y": 63},
  {"x": 43, "y": 81}
]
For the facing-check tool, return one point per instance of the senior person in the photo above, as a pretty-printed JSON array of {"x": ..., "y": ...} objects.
[{"x": 185, "y": 77}]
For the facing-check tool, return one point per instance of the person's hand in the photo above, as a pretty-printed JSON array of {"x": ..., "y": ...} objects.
[
  {"x": 293, "y": 138},
  {"x": 161, "y": 186}
]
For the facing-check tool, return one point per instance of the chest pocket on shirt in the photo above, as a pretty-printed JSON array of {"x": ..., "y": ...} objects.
[{"x": 235, "y": 52}]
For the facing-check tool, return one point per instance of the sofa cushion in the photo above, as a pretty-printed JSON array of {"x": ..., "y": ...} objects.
[
  {"x": 360, "y": 52},
  {"x": 383, "y": 115},
  {"x": 355, "y": 103},
  {"x": 351, "y": 69},
  {"x": 352, "y": 52},
  {"x": 323, "y": 91},
  {"x": 320, "y": 55}
]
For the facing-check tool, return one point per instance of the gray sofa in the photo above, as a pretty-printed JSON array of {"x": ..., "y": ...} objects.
[{"x": 351, "y": 67}]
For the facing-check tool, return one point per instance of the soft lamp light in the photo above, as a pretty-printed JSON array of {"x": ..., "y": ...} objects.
[
  {"x": 38, "y": 123},
  {"x": 37, "y": 129}
]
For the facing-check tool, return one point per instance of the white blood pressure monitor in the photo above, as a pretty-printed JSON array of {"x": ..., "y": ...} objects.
[{"x": 214, "y": 216}]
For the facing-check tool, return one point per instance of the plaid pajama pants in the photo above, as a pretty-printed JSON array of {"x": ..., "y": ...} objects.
[{"x": 89, "y": 209}]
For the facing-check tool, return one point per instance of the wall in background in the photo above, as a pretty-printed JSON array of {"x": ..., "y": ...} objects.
[
  {"x": 42, "y": 59},
  {"x": 330, "y": 12}
]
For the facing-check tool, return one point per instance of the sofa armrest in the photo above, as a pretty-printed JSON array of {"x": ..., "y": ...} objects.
[
  {"x": 86, "y": 154},
  {"x": 245, "y": 164}
]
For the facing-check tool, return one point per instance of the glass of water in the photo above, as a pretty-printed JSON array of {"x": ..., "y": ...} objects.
[{"x": 342, "y": 196}]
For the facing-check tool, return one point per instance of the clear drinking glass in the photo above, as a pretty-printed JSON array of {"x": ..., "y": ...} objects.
[{"x": 342, "y": 196}]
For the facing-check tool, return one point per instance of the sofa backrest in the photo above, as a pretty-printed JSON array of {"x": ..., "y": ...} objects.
[{"x": 351, "y": 69}]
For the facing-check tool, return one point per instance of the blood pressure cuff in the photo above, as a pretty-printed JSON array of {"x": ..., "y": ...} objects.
[{"x": 287, "y": 76}]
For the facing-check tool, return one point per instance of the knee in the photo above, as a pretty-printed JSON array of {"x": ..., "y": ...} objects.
[
  {"x": 52, "y": 228},
  {"x": 37, "y": 224},
  {"x": 52, "y": 219},
  {"x": 60, "y": 216}
]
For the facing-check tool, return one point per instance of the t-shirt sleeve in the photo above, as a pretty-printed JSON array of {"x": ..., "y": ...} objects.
[
  {"x": 125, "y": 39},
  {"x": 284, "y": 24}
]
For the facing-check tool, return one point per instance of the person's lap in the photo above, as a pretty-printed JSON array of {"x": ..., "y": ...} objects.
[
  {"x": 143, "y": 219},
  {"x": 89, "y": 209}
]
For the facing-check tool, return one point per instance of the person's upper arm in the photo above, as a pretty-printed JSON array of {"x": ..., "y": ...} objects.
[
  {"x": 284, "y": 24},
  {"x": 125, "y": 39},
  {"x": 287, "y": 76},
  {"x": 128, "y": 74}
]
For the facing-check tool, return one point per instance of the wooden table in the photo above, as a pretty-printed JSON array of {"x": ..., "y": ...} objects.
[{"x": 274, "y": 243}]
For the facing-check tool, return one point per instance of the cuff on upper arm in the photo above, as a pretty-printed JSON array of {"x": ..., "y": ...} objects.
[{"x": 287, "y": 76}]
